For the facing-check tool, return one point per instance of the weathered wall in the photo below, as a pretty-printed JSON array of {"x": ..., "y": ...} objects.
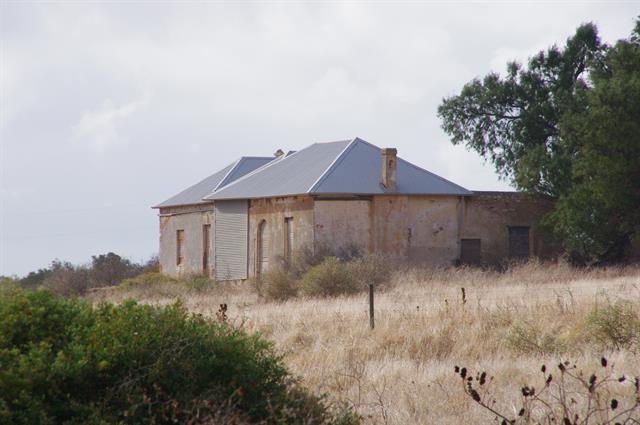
[
  {"x": 191, "y": 219},
  {"x": 274, "y": 211},
  {"x": 422, "y": 229},
  {"x": 343, "y": 223},
  {"x": 417, "y": 228},
  {"x": 488, "y": 215},
  {"x": 434, "y": 229}
]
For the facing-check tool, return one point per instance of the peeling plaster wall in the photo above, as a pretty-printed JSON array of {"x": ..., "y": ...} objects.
[
  {"x": 421, "y": 229},
  {"x": 343, "y": 223},
  {"x": 274, "y": 211},
  {"x": 417, "y": 228},
  {"x": 191, "y": 219},
  {"x": 488, "y": 215},
  {"x": 433, "y": 229}
]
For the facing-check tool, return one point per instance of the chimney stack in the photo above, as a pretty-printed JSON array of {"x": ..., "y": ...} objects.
[{"x": 388, "y": 175}]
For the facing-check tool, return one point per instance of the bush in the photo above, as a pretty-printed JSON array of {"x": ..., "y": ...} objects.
[
  {"x": 147, "y": 279},
  {"x": 66, "y": 279},
  {"x": 371, "y": 268},
  {"x": 615, "y": 325},
  {"x": 330, "y": 278},
  {"x": 110, "y": 269},
  {"x": 527, "y": 338},
  {"x": 66, "y": 362},
  {"x": 198, "y": 283},
  {"x": 278, "y": 284},
  {"x": 305, "y": 258}
]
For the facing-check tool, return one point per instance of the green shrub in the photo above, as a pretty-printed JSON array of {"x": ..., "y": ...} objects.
[
  {"x": 527, "y": 338},
  {"x": 198, "y": 283},
  {"x": 66, "y": 362},
  {"x": 278, "y": 284},
  {"x": 147, "y": 279},
  {"x": 306, "y": 257},
  {"x": 67, "y": 279},
  {"x": 615, "y": 325},
  {"x": 371, "y": 268},
  {"x": 332, "y": 277}
]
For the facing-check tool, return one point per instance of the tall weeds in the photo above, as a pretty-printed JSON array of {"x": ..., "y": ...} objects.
[{"x": 400, "y": 373}]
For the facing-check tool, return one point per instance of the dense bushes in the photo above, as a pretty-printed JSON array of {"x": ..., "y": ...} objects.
[
  {"x": 279, "y": 284},
  {"x": 322, "y": 275},
  {"x": 609, "y": 326},
  {"x": 66, "y": 362},
  {"x": 615, "y": 325},
  {"x": 65, "y": 278},
  {"x": 330, "y": 278}
]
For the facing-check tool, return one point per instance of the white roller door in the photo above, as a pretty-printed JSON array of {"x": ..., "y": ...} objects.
[{"x": 231, "y": 239}]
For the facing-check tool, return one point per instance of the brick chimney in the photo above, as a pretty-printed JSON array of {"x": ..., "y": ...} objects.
[{"x": 388, "y": 175}]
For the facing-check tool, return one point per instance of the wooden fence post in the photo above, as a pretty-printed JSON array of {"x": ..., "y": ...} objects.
[{"x": 371, "y": 321}]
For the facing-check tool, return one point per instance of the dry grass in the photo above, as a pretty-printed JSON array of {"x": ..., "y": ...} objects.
[{"x": 402, "y": 372}]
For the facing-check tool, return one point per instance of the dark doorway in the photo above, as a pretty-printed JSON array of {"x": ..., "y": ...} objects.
[
  {"x": 519, "y": 242},
  {"x": 470, "y": 251}
]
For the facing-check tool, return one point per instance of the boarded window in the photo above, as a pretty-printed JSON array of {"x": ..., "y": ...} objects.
[
  {"x": 206, "y": 242},
  {"x": 179, "y": 246},
  {"x": 263, "y": 248},
  {"x": 288, "y": 240},
  {"x": 470, "y": 251},
  {"x": 519, "y": 242}
]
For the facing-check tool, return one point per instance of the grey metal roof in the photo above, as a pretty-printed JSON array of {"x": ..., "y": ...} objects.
[
  {"x": 195, "y": 194},
  {"x": 292, "y": 175},
  {"x": 336, "y": 168}
]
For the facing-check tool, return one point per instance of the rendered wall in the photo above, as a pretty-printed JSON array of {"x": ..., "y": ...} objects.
[
  {"x": 488, "y": 215},
  {"x": 416, "y": 228},
  {"x": 422, "y": 229},
  {"x": 341, "y": 224},
  {"x": 191, "y": 219},
  {"x": 274, "y": 211}
]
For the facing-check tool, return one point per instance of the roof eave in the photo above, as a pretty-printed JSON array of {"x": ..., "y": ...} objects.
[{"x": 192, "y": 204}]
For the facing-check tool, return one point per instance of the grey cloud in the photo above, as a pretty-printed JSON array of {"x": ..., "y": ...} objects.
[{"x": 110, "y": 108}]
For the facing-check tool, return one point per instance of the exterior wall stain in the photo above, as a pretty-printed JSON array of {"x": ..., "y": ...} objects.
[
  {"x": 434, "y": 230},
  {"x": 191, "y": 219},
  {"x": 274, "y": 211},
  {"x": 420, "y": 229},
  {"x": 342, "y": 223},
  {"x": 488, "y": 216}
]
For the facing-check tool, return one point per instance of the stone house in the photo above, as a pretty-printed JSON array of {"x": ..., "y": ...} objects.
[{"x": 242, "y": 220}]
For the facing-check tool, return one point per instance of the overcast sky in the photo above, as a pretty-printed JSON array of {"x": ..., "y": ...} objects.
[{"x": 109, "y": 108}]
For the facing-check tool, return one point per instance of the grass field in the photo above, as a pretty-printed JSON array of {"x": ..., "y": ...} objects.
[{"x": 402, "y": 372}]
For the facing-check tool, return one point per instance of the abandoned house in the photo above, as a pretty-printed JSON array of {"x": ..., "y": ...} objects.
[{"x": 250, "y": 215}]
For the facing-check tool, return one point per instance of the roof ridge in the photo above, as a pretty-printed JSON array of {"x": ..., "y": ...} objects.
[
  {"x": 233, "y": 167},
  {"x": 275, "y": 160},
  {"x": 334, "y": 141},
  {"x": 200, "y": 181},
  {"x": 236, "y": 165},
  {"x": 333, "y": 164}
]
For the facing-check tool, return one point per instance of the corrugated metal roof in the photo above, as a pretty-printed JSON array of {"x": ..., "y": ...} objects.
[
  {"x": 344, "y": 167},
  {"x": 358, "y": 172},
  {"x": 195, "y": 194},
  {"x": 292, "y": 175}
]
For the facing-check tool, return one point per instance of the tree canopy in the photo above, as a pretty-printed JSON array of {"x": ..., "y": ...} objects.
[{"x": 566, "y": 125}]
